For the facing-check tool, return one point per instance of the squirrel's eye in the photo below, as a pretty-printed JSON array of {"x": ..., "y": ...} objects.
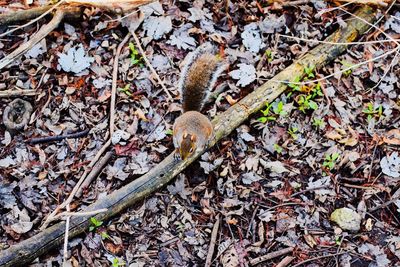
[{"x": 191, "y": 150}]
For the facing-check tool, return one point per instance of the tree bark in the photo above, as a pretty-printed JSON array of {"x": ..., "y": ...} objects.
[{"x": 165, "y": 171}]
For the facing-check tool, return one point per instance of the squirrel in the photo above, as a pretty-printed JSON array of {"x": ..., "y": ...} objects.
[{"x": 192, "y": 131}]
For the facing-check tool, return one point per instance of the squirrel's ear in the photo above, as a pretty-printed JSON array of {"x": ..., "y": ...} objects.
[
  {"x": 193, "y": 138},
  {"x": 185, "y": 134}
]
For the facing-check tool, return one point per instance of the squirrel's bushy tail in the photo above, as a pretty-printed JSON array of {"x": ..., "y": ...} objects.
[{"x": 199, "y": 76}]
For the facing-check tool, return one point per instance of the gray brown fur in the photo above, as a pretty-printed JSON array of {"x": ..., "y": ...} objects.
[{"x": 197, "y": 82}]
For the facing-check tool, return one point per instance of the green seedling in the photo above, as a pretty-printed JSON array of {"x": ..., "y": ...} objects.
[
  {"x": 305, "y": 103},
  {"x": 136, "y": 59},
  {"x": 330, "y": 161},
  {"x": 266, "y": 116},
  {"x": 116, "y": 262},
  {"x": 104, "y": 235},
  {"x": 372, "y": 112},
  {"x": 126, "y": 90},
  {"x": 268, "y": 54},
  {"x": 316, "y": 91},
  {"x": 346, "y": 65},
  {"x": 309, "y": 71},
  {"x": 95, "y": 224},
  {"x": 278, "y": 109},
  {"x": 169, "y": 132},
  {"x": 278, "y": 148},
  {"x": 292, "y": 132},
  {"x": 294, "y": 85},
  {"x": 318, "y": 123}
]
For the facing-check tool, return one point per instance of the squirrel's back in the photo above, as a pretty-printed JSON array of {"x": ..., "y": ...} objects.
[{"x": 199, "y": 77}]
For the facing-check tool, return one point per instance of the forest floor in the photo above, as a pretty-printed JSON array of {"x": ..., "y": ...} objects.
[{"x": 271, "y": 185}]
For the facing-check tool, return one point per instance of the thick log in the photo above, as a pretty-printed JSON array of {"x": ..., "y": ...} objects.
[{"x": 166, "y": 170}]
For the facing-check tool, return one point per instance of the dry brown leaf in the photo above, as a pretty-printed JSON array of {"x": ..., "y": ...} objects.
[{"x": 392, "y": 137}]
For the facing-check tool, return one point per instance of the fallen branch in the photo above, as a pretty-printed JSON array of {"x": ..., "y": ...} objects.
[
  {"x": 211, "y": 248},
  {"x": 18, "y": 92},
  {"x": 21, "y": 15},
  {"x": 166, "y": 170},
  {"x": 270, "y": 256},
  {"x": 47, "y": 139},
  {"x": 37, "y": 37}
]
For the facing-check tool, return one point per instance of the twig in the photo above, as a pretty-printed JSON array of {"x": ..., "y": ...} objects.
[
  {"x": 383, "y": 205},
  {"x": 271, "y": 255},
  {"x": 366, "y": 2},
  {"x": 114, "y": 82},
  {"x": 80, "y": 213},
  {"x": 104, "y": 147},
  {"x": 47, "y": 139},
  {"x": 294, "y": 3},
  {"x": 36, "y": 38},
  {"x": 212, "y": 242},
  {"x": 51, "y": 216},
  {"x": 18, "y": 92},
  {"x": 319, "y": 257},
  {"x": 308, "y": 190},
  {"x": 149, "y": 65},
  {"x": 94, "y": 172},
  {"x": 341, "y": 71},
  {"x": 65, "y": 254},
  {"x": 285, "y": 262},
  {"x": 337, "y": 43}
]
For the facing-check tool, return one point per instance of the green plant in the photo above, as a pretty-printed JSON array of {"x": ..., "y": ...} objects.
[
  {"x": 104, "y": 235},
  {"x": 294, "y": 85},
  {"x": 95, "y": 224},
  {"x": 136, "y": 59},
  {"x": 116, "y": 262},
  {"x": 126, "y": 90},
  {"x": 169, "y": 132},
  {"x": 278, "y": 109},
  {"x": 372, "y": 111},
  {"x": 330, "y": 160},
  {"x": 268, "y": 54},
  {"x": 266, "y": 116},
  {"x": 292, "y": 132},
  {"x": 318, "y": 123},
  {"x": 305, "y": 103},
  {"x": 278, "y": 148},
  {"x": 346, "y": 65},
  {"x": 309, "y": 71}
]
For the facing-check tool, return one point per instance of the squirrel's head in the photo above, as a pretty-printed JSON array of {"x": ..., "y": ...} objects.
[{"x": 187, "y": 146}]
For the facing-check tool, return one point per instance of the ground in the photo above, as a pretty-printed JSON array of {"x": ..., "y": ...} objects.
[{"x": 273, "y": 184}]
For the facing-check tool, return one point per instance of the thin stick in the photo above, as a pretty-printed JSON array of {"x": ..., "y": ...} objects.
[
  {"x": 47, "y": 139},
  {"x": 341, "y": 71},
  {"x": 271, "y": 255},
  {"x": 383, "y": 205},
  {"x": 285, "y": 262},
  {"x": 51, "y": 216},
  {"x": 211, "y": 248},
  {"x": 18, "y": 92},
  {"x": 149, "y": 65},
  {"x": 319, "y": 257},
  {"x": 34, "y": 20},
  {"x": 65, "y": 254},
  {"x": 80, "y": 213},
  {"x": 114, "y": 83},
  {"x": 94, "y": 172},
  {"x": 336, "y": 43},
  {"x": 36, "y": 38}
]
